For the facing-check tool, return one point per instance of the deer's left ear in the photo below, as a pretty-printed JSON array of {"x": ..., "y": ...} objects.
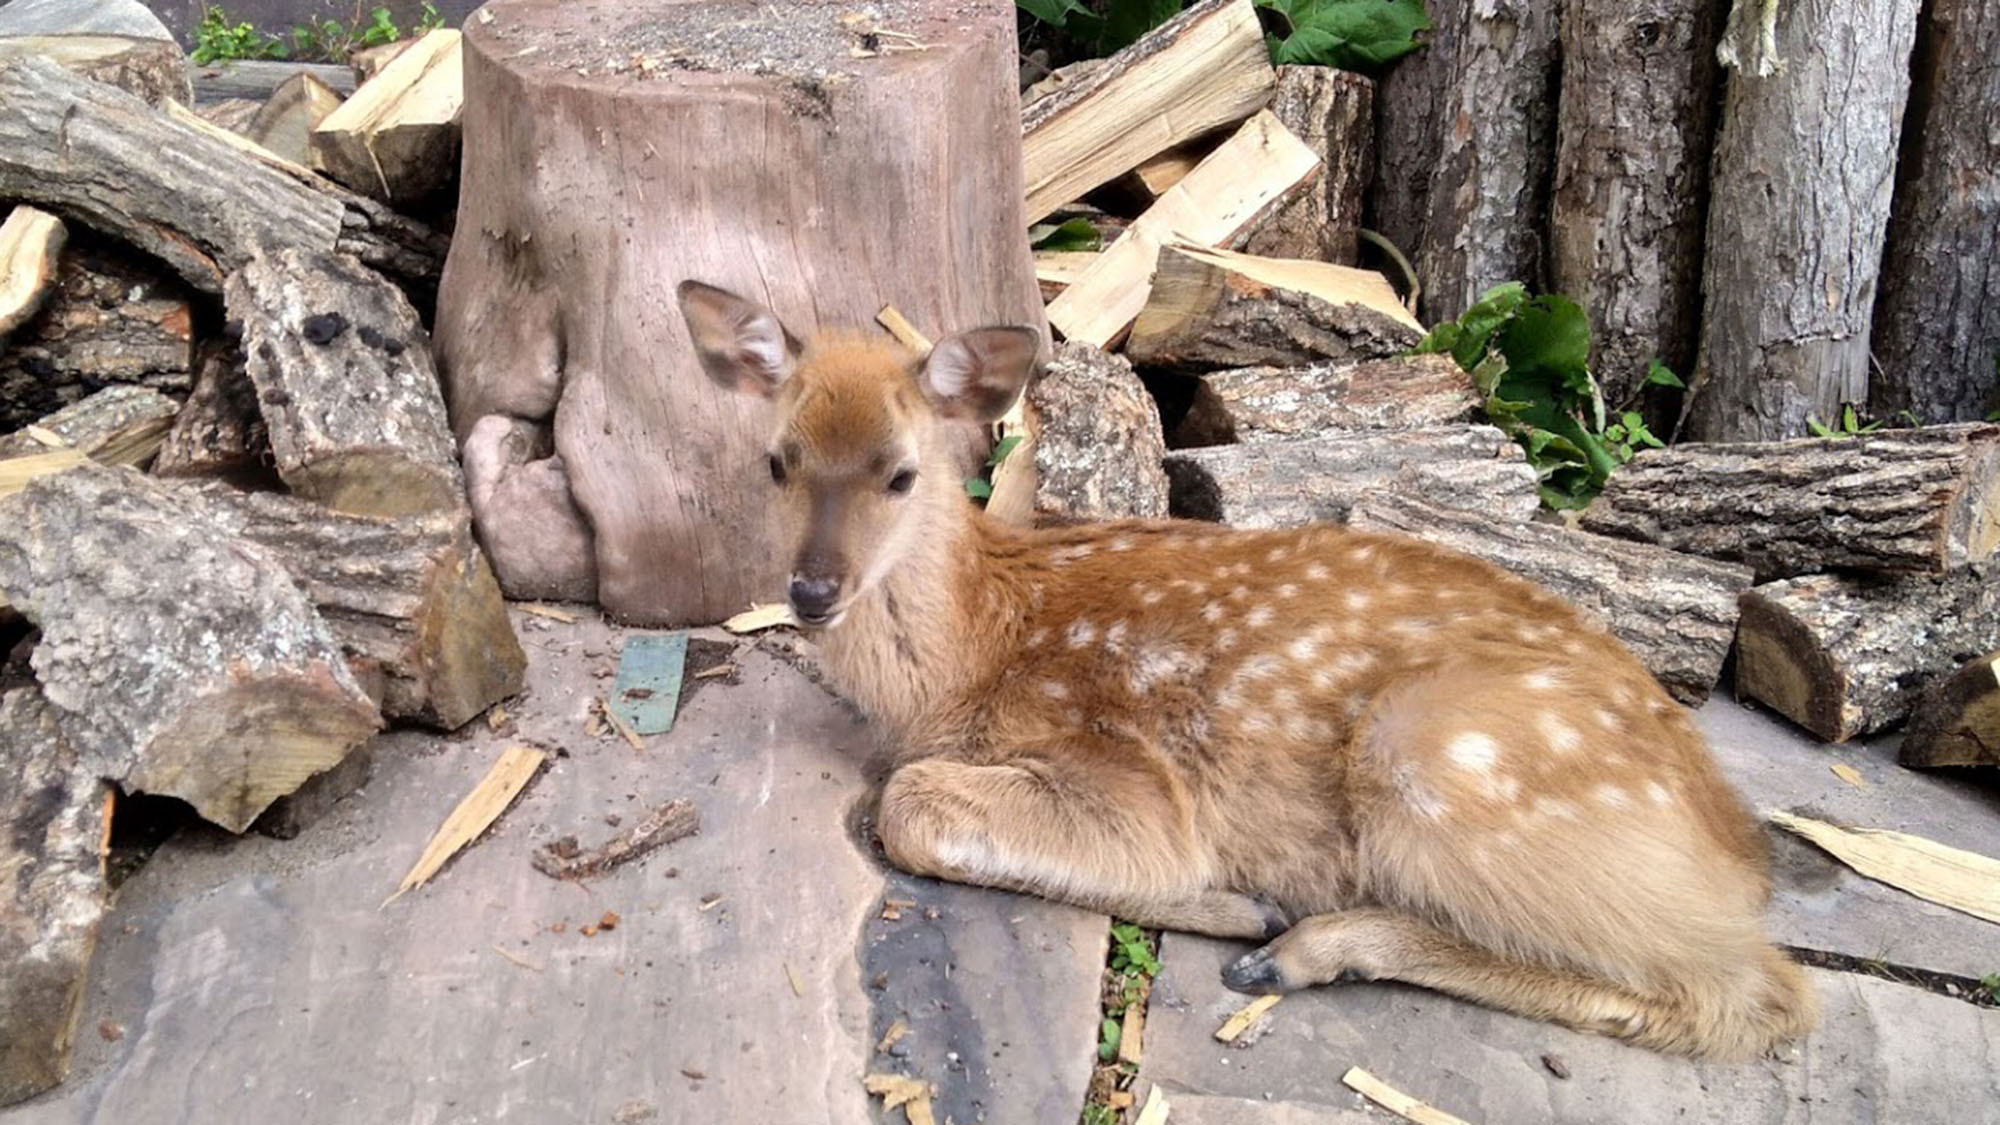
[
  {"x": 976, "y": 375},
  {"x": 741, "y": 344}
]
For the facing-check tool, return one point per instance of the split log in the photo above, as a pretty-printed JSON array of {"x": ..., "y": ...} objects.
[
  {"x": 1096, "y": 442},
  {"x": 220, "y": 430},
  {"x": 1848, "y": 656},
  {"x": 258, "y": 79},
  {"x": 284, "y": 125},
  {"x": 1159, "y": 173},
  {"x": 1937, "y": 323},
  {"x": 343, "y": 370},
  {"x": 1265, "y": 403},
  {"x": 99, "y": 156},
  {"x": 411, "y": 600},
  {"x": 1677, "y": 613},
  {"x": 397, "y": 137},
  {"x": 1057, "y": 270},
  {"x": 1206, "y": 68},
  {"x": 155, "y": 70},
  {"x": 31, "y": 243},
  {"x": 233, "y": 114},
  {"x": 118, "y": 426},
  {"x": 1211, "y": 309},
  {"x": 1234, "y": 188},
  {"x": 1957, "y": 721},
  {"x": 752, "y": 160},
  {"x": 211, "y": 679},
  {"x": 1465, "y": 130},
  {"x": 1797, "y": 214},
  {"x": 53, "y": 898},
  {"x": 1634, "y": 125},
  {"x": 1896, "y": 501},
  {"x": 369, "y": 61},
  {"x": 1333, "y": 112},
  {"x": 1319, "y": 479}
]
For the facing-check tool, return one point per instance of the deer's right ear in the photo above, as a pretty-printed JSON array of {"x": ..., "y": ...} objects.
[{"x": 742, "y": 345}]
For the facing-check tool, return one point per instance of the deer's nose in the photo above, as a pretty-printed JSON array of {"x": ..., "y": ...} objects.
[{"x": 813, "y": 596}]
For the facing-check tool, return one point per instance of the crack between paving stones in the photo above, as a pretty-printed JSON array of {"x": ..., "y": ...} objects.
[{"x": 1970, "y": 990}]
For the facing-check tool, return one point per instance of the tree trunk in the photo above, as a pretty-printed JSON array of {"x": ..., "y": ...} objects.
[
  {"x": 1097, "y": 443},
  {"x": 1320, "y": 478},
  {"x": 1333, "y": 112},
  {"x": 1676, "y": 612},
  {"x": 1957, "y": 722},
  {"x": 1898, "y": 501},
  {"x": 183, "y": 661},
  {"x": 1267, "y": 403},
  {"x": 220, "y": 430},
  {"x": 1466, "y": 133},
  {"x": 1937, "y": 324},
  {"x": 1633, "y": 133},
  {"x": 156, "y": 70},
  {"x": 1799, "y": 203},
  {"x": 769, "y": 160},
  {"x": 120, "y": 425},
  {"x": 1844, "y": 657}
]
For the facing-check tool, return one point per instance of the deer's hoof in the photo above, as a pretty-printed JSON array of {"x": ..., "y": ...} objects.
[
  {"x": 1255, "y": 973},
  {"x": 1275, "y": 921}
]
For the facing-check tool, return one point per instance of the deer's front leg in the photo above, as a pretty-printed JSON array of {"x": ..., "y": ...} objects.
[{"x": 1092, "y": 833}]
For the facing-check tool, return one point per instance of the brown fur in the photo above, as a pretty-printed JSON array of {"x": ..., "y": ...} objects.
[{"x": 1397, "y": 761}]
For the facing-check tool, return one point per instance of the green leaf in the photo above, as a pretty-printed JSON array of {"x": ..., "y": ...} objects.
[
  {"x": 1002, "y": 449},
  {"x": 1660, "y": 375},
  {"x": 1126, "y": 20},
  {"x": 979, "y": 488},
  {"x": 1465, "y": 340},
  {"x": 1362, "y": 35},
  {"x": 1819, "y": 428},
  {"x": 1055, "y": 13},
  {"x": 1109, "y": 1033},
  {"x": 1075, "y": 234}
]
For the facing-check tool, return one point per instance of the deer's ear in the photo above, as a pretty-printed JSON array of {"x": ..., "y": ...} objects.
[
  {"x": 977, "y": 375},
  {"x": 742, "y": 345}
]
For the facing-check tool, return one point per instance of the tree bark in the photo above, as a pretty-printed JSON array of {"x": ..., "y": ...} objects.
[
  {"x": 1333, "y": 112},
  {"x": 1676, "y": 612},
  {"x": 343, "y": 371},
  {"x": 1266, "y": 403},
  {"x": 1320, "y": 478},
  {"x": 1937, "y": 323},
  {"x": 182, "y": 661},
  {"x": 1897, "y": 501},
  {"x": 120, "y": 425},
  {"x": 1097, "y": 445},
  {"x": 1466, "y": 133},
  {"x": 1957, "y": 722},
  {"x": 1635, "y": 123},
  {"x": 220, "y": 430},
  {"x": 1844, "y": 657},
  {"x": 155, "y": 70},
  {"x": 769, "y": 161},
  {"x": 1798, "y": 207}
]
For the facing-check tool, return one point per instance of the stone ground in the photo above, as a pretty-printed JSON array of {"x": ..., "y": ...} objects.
[{"x": 259, "y": 979}]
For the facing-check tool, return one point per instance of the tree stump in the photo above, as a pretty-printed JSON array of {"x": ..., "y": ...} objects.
[{"x": 821, "y": 163}]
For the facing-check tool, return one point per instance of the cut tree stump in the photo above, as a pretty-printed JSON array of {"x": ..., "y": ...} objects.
[
  {"x": 182, "y": 660},
  {"x": 1844, "y": 657},
  {"x": 1920, "y": 500},
  {"x": 1937, "y": 321},
  {"x": 155, "y": 70},
  {"x": 1264, "y": 403},
  {"x": 285, "y": 123},
  {"x": 749, "y": 149},
  {"x": 31, "y": 243},
  {"x": 1211, "y": 309},
  {"x": 1797, "y": 211},
  {"x": 1206, "y": 68},
  {"x": 220, "y": 429},
  {"x": 1319, "y": 479},
  {"x": 203, "y": 206},
  {"x": 350, "y": 397},
  {"x": 1096, "y": 441},
  {"x": 397, "y": 138},
  {"x": 1957, "y": 721},
  {"x": 53, "y": 897},
  {"x": 121, "y": 425},
  {"x": 1676, "y": 612},
  {"x": 1333, "y": 112}
]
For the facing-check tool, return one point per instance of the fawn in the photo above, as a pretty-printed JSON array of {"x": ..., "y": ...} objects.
[{"x": 1381, "y": 758}]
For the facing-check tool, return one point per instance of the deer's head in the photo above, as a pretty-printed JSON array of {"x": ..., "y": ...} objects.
[{"x": 857, "y": 460}]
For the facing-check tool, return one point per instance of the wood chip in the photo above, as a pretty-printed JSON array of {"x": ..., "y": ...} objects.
[
  {"x": 1849, "y": 774},
  {"x": 563, "y": 859},
  {"x": 1240, "y": 1022},
  {"x": 717, "y": 670},
  {"x": 1965, "y": 881},
  {"x": 913, "y": 1094},
  {"x": 549, "y": 611},
  {"x": 16, "y": 472},
  {"x": 1394, "y": 1100},
  {"x": 760, "y": 617},
  {"x": 475, "y": 814},
  {"x": 798, "y": 986},
  {"x": 709, "y": 902},
  {"x": 517, "y": 958},
  {"x": 618, "y": 724},
  {"x": 1131, "y": 1037},
  {"x": 905, "y": 333},
  {"x": 893, "y": 1036},
  {"x": 496, "y": 718},
  {"x": 1156, "y": 1109}
]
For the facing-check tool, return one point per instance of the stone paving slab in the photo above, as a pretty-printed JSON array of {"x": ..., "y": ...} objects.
[{"x": 252, "y": 979}]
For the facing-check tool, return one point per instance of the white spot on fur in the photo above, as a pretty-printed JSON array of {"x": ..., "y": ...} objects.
[
  {"x": 1421, "y": 799},
  {"x": 1225, "y": 640},
  {"x": 1288, "y": 590},
  {"x": 1155, "y": 665},
  {"x": 1607, "y": 720},
  {"x": 1473, "y": 751},
  {"x": 1304, "y": 648},
  {"x": 1122, "y": 543},
  {"x": 1357, "y": 600},
  {"x": 1054, "y": 690},
  {"x": 1258, "y": 617},
  {"x": 1276, "y": 553},
  {"x": 1318, "y": 572},
  {"x": 1212, "y": 612},
  {"x": 1152, "y": 597},
  {"x": 1657, "y": 793},
  {"x": 1364, "y": 552},
  {"x": 1114, "y": 637},
  {"x": 1081, "y": 633},
  {"x": 1066, "y": 555},
  {"x": 1038, "y": 637},
  {"x": 1555, "y": 808},
  {"x": 1239, "y": 593},
  {"x": 1562, "y": 738},
  {"x": 1612, "y": 795},
  {"x": 1541, "y": 681}
]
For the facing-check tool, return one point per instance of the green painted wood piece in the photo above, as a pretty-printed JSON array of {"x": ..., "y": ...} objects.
[{"x": 648, "y": 690}]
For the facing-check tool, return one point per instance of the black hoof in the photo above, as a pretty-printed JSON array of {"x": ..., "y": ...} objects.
[
  {"x": 1255, "y": 973},
  {"x": 1275, "y": 921}
]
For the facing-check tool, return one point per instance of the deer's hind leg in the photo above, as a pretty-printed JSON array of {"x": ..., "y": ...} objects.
[{"x": 1097, "y": 831}]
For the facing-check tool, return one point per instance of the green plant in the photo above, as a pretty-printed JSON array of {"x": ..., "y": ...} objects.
[
  {"x": 1851, "y": 425},
  {"x": 981, "y": 487},
  {"x": 1365, "y": 35},
  {"x": 1073, "y": 234},
  {"x": 1990, "y": 986},
  {"x": 218, "y": 39},
  {"x": 1132, "y": 951},
  {"x": 1097, "y": 1113},
  {"x": 333, "y": 40}
]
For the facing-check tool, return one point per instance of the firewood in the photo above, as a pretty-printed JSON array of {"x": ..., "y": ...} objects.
[
  {"x": 219, "y": 430},
  {"x": 120, "y": 425},
  {"x": 1097, "y": 444},
  {"x": 181, "y": 660},
  {"x": 1212, "y": 309},
  {"x": 1258, "y": 167},
  {"x": 53, "y": 898},
  {"x": 153, "y": 69},
  {"x": 257, "y": 79},
  {"x": 1957, "y": 722},
  {"x": 1677, "y": 613},
  {"x": 1847, "y": 656},
  {"x": 1333, "y": 112},
  {"x": 31, "y": 241},
  {"x": 1320, "y": 478},
  {"x": 343, "y": 369},
  {"x": 369, "y": 61},
  {"x": 94, "y": 154},
  {"x": 1261, "y": 403},
  {"x": 284, "y": 124},
  {"x": 233, "y": 114},
  {"x": 1159, "y": 173},
  {"x": 397, "y": 137},
  {"x": 1918, "y": 500},
  {"x": 1206, "y": 68},
  {"x": 17, "y": 473},
  {"x": 1057, "y": 270}
]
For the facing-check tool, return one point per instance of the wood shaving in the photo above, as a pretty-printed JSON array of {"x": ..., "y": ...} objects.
[
  {"x": 564, "y": 859},
  {"x": 1394, "y": 1100}
]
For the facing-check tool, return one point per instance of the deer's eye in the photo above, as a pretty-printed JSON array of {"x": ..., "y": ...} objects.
[
  {"x": 903, "y": 481},
  {"x": 777, "y": 469}
]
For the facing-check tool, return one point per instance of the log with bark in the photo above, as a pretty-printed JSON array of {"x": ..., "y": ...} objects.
[
  {"x": 155, "y": 70},
  {"x": 203, "y": 206},
  {"x": 53, "y": 897},
  {"x": 1957, "y": 720},
  {"x": 1320, "y": 478},
  {"x": 121, "y": 425},
  {"x": 349, "y": 394},
  {"x": 284, "y": 124},
  {"x": 1848, "y": 656},
  {"x": 1206, "y": 68},
  {"x": 397, "y": 138},
  {"x": 1096, "y": 442},
  {"x": 1937, "y": 322},
  {"x": 31, "y": 243},
  {"x": 1797, "y": 213},
  {"x": 1895, "y": 501},
  {"x": 752, "y": 159},
  {"x": 220, "y": 429},
  {"x": 1209, "y": 310},
  {"x": 1676, "y": 612},
  {"x": 209, "y": 677},
  {"x": 1262, "y": 403},
  {"x": 1333, "y": 112}
]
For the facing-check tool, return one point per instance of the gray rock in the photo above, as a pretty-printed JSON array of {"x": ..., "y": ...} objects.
[{"x": 81, "y": 17}]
